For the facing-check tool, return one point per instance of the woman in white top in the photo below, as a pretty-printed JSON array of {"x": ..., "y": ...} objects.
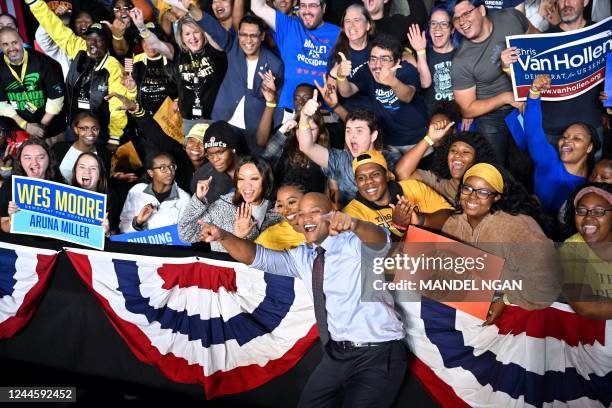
[
  {"x": 87, "y": 130},
  {"x": 157, "y": 202}
]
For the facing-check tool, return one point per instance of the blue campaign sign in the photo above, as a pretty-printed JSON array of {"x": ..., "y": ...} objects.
[
  {"x": 158, "y": 236},
  {"x": 56, "y": 210},
  {"x": 575, "y": 60},
  {"x": 608, "y": 83}
]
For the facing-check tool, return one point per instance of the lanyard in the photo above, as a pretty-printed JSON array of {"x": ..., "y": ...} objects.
[{"x": 24, "y": 67}]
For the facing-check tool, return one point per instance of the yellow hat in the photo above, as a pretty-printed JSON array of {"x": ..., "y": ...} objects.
[
  {"x": 197, "y": 132},
  {"x": 370, "y": 156},
  {"x": 488, "y": 173}
]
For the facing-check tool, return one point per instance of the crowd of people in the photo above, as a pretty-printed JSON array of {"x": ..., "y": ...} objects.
[{"x": 301, "y": 119}]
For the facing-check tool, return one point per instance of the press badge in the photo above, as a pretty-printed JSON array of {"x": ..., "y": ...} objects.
[
  {"x": 30, "y": 107},
  {"x": 83, "y": 104}
]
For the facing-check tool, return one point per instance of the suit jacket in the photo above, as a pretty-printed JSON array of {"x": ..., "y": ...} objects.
[{"x": 234, "y": 85}]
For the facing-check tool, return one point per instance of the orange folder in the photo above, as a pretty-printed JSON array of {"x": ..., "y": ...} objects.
[{"x": 478, "y": 275}]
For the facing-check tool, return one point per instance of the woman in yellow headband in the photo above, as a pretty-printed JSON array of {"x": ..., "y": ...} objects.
[{"x": 493, "y": 208}]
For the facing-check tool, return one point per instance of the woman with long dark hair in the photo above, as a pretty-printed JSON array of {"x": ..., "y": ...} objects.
[
  {"x": 557, "y": 173},
  {"x": 246, "y": 211}
]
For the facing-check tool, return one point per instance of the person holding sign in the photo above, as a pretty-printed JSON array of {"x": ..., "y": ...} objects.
[
  {"x": 392, "y": 86},
  {"x": 557, "y": 171},
  {"x": 494, "y": 208},
  {"x": 89, "y": 173},
  {"x": 156, "y": 203},
  {"x": 33, "y": 160},
  {"x": 31, "y": 89}
]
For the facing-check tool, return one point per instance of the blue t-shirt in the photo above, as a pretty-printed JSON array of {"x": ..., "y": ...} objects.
[
  {"x": 359, "y": 60},
  {"x": 304, "y": 52},
  {"x": 402, "y": 123}
]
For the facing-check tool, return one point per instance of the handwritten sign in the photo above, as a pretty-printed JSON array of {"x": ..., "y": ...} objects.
[
  {"x": 59, "y": 211},
  {"x": 575, "y": 60}
]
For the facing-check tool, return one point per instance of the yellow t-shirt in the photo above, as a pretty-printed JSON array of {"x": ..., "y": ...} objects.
[
  {"x": 280, "y": 237},
  {"x": 582, "y": 266},
  {"x": 414, "y": 191}
]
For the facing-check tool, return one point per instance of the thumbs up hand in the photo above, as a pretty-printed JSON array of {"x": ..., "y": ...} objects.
[
  {"x": 311, "y": 106},
  {"x": 345, "y": 68}
]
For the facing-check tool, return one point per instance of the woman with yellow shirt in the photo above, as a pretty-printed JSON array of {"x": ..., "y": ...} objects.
[
  {"x": 285, "y": 234},
  {"x": 587, "y": 255}
]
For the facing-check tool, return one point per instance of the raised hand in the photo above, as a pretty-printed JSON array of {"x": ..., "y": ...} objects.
[
  {"x": 404, "y": 213},
  {"x": 509, "y": 56},
  {"x": 127, "y": 177},
  {"x": 179, "y": 4},
  {"x": 311, "y": 106},
  {"x": 210, "y": 232},
  {"x": 127, "y": 104},
  {"x": 288, "y": 126},
  {"x": 416, "y": 37},
  {"x": 387, "y": 76},
  {"x": 437, "y": 130},
  {"x": 541, "y": 83},
  {"x": 338, "y": 222},
  {"x": 345, "y": 68},
  {"x": 328, "y": 91},
  {"x": 202, "y": 188},
  {"x": 244, "y": 221},
  {"x": 145, "y": 213},
  {"x": 118, "y": 26},
  {"x": 268, "y": 86},
  {"x": 137, "y": 18},
  {"x": 128, "y": 82}
]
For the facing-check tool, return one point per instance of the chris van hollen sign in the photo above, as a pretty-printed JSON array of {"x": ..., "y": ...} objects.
[
  {"x": 575, "y": 60},
  {"x": 59, "y": 211}
]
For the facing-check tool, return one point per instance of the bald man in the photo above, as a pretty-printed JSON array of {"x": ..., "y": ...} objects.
[
  {"x": 363, "y": 353},
  {"x": 31, "y": 88}
]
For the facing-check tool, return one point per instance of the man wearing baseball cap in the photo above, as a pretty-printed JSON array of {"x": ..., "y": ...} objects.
[
  {"x": 220, "y": 149},
  {"x": 388, "y": 203}
]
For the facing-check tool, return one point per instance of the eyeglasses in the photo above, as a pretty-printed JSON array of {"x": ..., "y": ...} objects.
[
  {"x": 165, "y": 168},
  {"x": 385, "y": 59},
  {"x": 439, "y": 24},
  {"x": 463, "y": 16},
  {"x": 93, "y": 129},
  {"x": 249, "y": 36},
  {"x": 596, "y": 212},
  {"x": 218, "y": 154},
  {"x": 309, "y": 6},
  {"x": 123, "y": 8},
  {"x": 480, "y": 193}
]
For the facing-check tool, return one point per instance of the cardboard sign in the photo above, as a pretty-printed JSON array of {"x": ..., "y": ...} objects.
[
  {"x": 54, "y": 210},
  {"x": 472, "y": 270},
  {"x": 170, "y": 121},
  {"x": 575, "y": 60}
]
